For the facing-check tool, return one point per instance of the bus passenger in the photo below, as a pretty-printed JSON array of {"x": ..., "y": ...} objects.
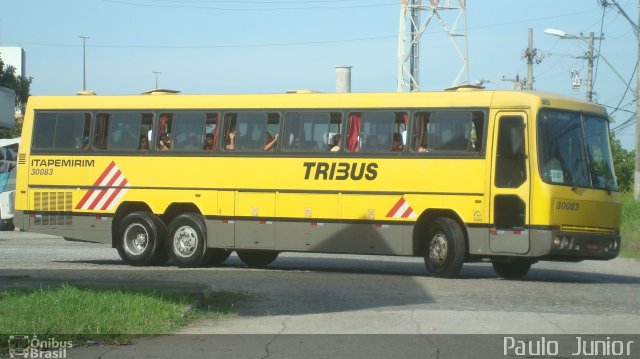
[
  {"x": 232, "y": 141},
  {"x": 397, "y": 145},
  {"x": 143, "y": 144},
  {"x": 336, "y": 142},
  {"x": 270, "y": 141},
  {"x": 165, "y": 142},
  {"x": 208, "y": 142},
  {"x": 423, "y": 144}
]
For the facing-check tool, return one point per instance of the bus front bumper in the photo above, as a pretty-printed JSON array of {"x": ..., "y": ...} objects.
[{"x": 577, "y": 246}]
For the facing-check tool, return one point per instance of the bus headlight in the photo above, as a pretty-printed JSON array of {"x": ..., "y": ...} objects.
[
  {"x": 556, "y": 241},
  {"x": 566, "y": 241}
]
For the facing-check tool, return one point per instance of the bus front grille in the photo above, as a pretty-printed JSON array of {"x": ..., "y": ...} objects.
[{"x": 586, "y": 229}]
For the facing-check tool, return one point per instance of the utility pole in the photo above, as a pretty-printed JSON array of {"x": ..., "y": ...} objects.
[
  {"x": 636, "y": 182},
  {"x": 530, "y": 54},
  {"x": 590, "y": 68}
]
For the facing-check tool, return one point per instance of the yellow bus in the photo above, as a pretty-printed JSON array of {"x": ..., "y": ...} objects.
[{"x": 454, "y": 176}]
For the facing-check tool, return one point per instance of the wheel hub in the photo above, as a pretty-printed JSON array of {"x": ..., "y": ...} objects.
[
  {"x": 185, "y": 241},
  {"x": 136, "y": 239},
  {"x": 438, "y": 249}
]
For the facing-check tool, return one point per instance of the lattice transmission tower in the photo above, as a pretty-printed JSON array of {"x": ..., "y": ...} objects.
[{"x": 415, "y": 18}]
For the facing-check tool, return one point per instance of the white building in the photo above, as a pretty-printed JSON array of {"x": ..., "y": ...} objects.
[{"x": 16, "y": 57}]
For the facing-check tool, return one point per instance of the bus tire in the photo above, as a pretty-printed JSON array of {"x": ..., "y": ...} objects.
[
  {"x": 140, "y": 236},
  {"x": 187, "y": 241},
  {"x": 512, "y": 270},
  {"x": 445, "y": 249},
  {"x": 257, "y": 258},
  {"x": 218, "y": 256}
]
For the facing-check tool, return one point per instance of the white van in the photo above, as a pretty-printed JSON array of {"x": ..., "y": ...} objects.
[{"x": 8, "y": 155}]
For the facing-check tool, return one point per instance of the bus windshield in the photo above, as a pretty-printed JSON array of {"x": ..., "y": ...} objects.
[{"x": 574, "y": 150}]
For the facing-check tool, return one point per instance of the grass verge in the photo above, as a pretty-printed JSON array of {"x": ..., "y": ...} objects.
[
  {"x": 630, "y": 227},
  {"x": 110, "y": 315}
]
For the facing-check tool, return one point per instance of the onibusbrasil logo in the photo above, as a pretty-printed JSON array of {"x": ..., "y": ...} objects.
[{"x": 25, "y": 346}]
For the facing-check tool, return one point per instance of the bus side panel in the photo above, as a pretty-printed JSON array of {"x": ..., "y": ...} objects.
[
  {"x": 78, "y": 228},
  {"x": 307, "y": 236},
  {"x": 308, "y": 222},
  {"x": 255, "y": 229},
  {"x": 221, "y": 231},
  {"x": 371, "y": 239}
]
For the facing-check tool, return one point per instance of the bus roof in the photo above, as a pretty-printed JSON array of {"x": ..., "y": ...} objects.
[{"x": 459, "y": 98}]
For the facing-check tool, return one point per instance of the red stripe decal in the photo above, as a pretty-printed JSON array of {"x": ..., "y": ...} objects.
[
  {"x": 114, "y": 194},
  {"x": 104, "y": 174},
  {"x": 104, "y": 191},
  {"x": 396, "y": 207}
]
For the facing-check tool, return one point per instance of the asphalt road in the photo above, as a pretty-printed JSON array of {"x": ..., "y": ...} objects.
[{"x": 305, "y": 301}]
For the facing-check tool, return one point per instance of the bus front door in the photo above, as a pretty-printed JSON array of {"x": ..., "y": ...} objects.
[{"x": 510, "y": 186}]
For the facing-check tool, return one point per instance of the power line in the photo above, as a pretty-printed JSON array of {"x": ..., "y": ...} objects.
[
  {"x": 201, "y": 7},
  {"x": 254, "y": 2}
]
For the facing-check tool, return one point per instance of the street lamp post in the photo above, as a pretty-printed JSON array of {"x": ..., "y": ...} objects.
[
  {"x": 590, "y": 54},
  {"x": 84, "y": 62},
  {"x": 157, "y": 73}
]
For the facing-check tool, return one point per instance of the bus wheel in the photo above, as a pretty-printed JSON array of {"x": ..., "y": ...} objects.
[
  {"x": 512, "y": 270},
  {"x": 257, "y": 258},
  {"x": 446, "y": 248},
  {"x": 140, "y": 239},
  {"x": 218, "y": 256},
  {"x": 186, "y": 242}
]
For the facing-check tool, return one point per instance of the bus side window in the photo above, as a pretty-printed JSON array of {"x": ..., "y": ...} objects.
[
  {"x": 144, "y": 134},
  {"x": 311, "y": 131},
  {"x": 354, "y": 124},
  {"x": 399, "y": 136},
  {"x": 67, "y": 131},
  {"x": 510, "y": 156},
  {"x": 125, "y": 131},
  {"x": 375, "y": 131},
  {"x": 188, "y": 131},
  {"x": 211, "y": 131},
  {"x": 272, "y": 133},
  {"x": 230, "y": 131},
  {"x": 477, "y": 132},
  {"x": 101, "y": 131},
  {"x": 164, "y": 141},
  {"x": 421, "y": 128},
  {"x": 252, "y": 130}
]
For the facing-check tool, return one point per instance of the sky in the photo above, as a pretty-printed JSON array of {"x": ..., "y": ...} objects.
[{"x": 271, "y": 46}]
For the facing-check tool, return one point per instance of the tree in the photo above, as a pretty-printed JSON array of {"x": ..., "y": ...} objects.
[
  {"x": 21, "y": 85},
  {"x": 624, "y": 163}
]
